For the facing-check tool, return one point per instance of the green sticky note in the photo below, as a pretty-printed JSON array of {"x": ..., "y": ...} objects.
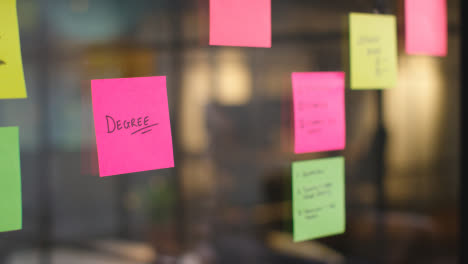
[
  {"x": 318, "y": 198},
  {"x": 12, "y": 83},
  {"x": 10, "y": 180},
  {"x": 373, "y": 51}
]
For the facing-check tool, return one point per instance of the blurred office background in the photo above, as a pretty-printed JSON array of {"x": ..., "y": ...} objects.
[{"x": 227, "y": 200}]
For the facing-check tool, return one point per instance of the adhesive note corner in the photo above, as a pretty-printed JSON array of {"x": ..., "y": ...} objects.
[
  {"x": 318, "y": 198},
  {"x": 426, "y": 27},
  {"x": 132, "y": 124},
  {"x": 319, "y": 111},
  {"x": 12, "y": 84},
  {"x": 243, "y": 23},
  {"x": 373, "y": 51},
  {"x": 10, "y": 180}
]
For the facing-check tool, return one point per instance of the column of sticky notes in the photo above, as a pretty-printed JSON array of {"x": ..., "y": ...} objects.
[
  {"x": 319, "y": 125},
  {"x": 12, "y": 86},
  {"x": 319, "y": 117}
]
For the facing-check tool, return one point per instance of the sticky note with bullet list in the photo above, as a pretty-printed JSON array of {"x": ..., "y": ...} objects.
[
  {"x": 244, "y": 23},
  {"x": 10, "y": 180},
  {"x": 132, "y": 124},
  {"x": 319, "y": 111},
  {"x": 426, "y": 27},
  {"x": 318, "y": 188},
  {"x": 12, "y": 85},
  {"x": 373, "y": 51}
]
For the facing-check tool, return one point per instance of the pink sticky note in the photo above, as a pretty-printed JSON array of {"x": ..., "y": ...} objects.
[
  {"x": 133, "y": 130},
  {"x": 426, "y": 27},
  {"x": 319, "y": 111},
  {"x": 245, "y": 23}
]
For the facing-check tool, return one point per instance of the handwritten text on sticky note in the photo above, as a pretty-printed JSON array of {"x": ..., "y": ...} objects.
[
  {"x": 132, "y": 124},
  {"x": 318, "y": 198},
  {"x": 12, "y": 84},
  {"x": 426, "y": 27},
  {"x": 373, "y": 51},
  {"x": 10, "y": 180},
  {"x": 245, "y": 23},
  {"x": 319, "y": 111}
]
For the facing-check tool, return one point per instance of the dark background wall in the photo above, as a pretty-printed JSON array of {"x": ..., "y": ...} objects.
[{"x": 227, "y": 200}]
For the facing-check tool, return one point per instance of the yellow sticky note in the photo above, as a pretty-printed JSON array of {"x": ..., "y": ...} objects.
[
  {"x": 12, "y": 83},
  {"x": 373, "y": 51}
]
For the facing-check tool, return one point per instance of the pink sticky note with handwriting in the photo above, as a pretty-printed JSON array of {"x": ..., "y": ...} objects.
[
  {"x": 426, "y": 27},
  {"x": 319, "y": 111},
  {"x": 244, "y": 23},
  {"x": 133, "y": 130}
]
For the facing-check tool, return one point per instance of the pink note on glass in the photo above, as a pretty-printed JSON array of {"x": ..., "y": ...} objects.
[
  {"x": 244, "y": 23},
  {"x": 133, "y": 130},
  {"x": 426, "y": 27},
  {"x": 319, "y": 111}
]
